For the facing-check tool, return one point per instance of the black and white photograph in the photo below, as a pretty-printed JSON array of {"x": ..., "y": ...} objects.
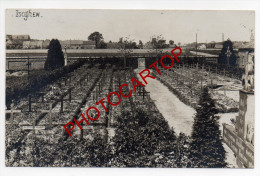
[{"x": 117, "y": 88}]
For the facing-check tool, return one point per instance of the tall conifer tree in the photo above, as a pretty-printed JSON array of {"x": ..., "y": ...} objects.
[
  {"x": 227, "y": 55},
  {"x": 206, "y": 149},
  {"x": 55, "y": 56}
]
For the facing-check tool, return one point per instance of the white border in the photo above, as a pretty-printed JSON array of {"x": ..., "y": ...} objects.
[{"x": 127, "y": 4}]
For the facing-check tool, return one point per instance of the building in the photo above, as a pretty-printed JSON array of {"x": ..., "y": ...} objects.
[
  {"x": 16, "y": 41},
  {"x": 65, "y": 43},
  {"x": 21, "y": 37},
  {"x": 26, "y": 44},
  {"x": 218, "y": 45},
  {"x": 201, "y": 47},
  {"x": 33, "y": 44},
  {"x": 76, "y": 44},
  {"x": 244, "y": 53},
  {"x": 46, "y": 44},
  {"x": 89, "y": 44},
  {"x": 14, "y": 44},
  {"x": 211, "y": 45}
]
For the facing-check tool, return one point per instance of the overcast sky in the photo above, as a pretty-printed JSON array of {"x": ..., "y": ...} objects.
[{"x": 180, "y": 26}]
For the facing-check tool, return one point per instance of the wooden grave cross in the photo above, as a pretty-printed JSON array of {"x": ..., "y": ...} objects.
[
  {"x": 50, "y": 111},
  {"x": 12, "y": 111},
  {"x": 144, "y": 92},
  {"x": 70, "y": 89},
  {"x": 28, "y": 64},
  {"x": 30, "y": 103},
  {"x": 61, "y": 104},
  {"x": 33, "y": 127}
]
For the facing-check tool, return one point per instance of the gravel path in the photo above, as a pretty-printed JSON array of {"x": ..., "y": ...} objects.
[{"x": 178, "y": 115}]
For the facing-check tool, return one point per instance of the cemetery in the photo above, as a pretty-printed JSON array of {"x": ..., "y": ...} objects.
[{"x": 52, "y": 121}]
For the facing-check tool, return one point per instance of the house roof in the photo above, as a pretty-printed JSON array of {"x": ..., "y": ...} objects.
[
  {"x": 46, "y": 42},
  {"x": 65, "y": 42},
  {"x": 38, "y": 42},
  {"x": 76, "y": 42},
  {"x": 21, "y": 37},
  {"x": 248, "y": 45},
  {"x": 89, "y": 42}
]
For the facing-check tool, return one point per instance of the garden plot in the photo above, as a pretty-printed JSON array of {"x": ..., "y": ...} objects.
[
  {"x": 53, "y": 128},
  {"x": 187, "y": 83}
]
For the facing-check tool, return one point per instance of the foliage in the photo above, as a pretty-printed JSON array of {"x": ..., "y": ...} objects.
[
  {"x": 102, "y": 45},
  {"x": 143, "y": 141},
  {"x": 171, "y": 42},
  {"x": 96, "y": 36},
  {"x": 141, "y": 45},
  {"x": 158, "y": 43},
  {"x": 126, "y": 47},
  {"x": 223, "y": 58},
  {"x": 55, "y": 58},
  {"x": 206, "y": 149},
  {"x": 23, "y": 87}
]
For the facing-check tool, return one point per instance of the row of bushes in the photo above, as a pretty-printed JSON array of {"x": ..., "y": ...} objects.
[
  {"x": 38, "y": 82},
  {"x": 77, "y": 112}
]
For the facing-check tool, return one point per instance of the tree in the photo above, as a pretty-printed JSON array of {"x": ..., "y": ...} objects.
[
  {"x": 102, "y": 45},
  {"x": 141, "y": 44},
  {"x": 126, "y": 46},
  {"x": 227, "y": 55},
  {"x": 96, "y": 36},
  {"x": 206, "y": 149},
  {"x": 120, "y": 40},
  {"x": 157, "y": 46},
  {"x": 55, "y": 56},
  {"x": 171, "y": 42}
]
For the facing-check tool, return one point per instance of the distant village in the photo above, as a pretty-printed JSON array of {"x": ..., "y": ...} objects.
[{"x": 25, "y": 42}]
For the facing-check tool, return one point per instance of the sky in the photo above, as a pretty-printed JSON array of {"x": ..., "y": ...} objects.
[{"x": 177, "y": 25}]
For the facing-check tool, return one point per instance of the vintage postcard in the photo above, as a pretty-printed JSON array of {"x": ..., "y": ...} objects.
[{"x": 130, "y": 88}]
